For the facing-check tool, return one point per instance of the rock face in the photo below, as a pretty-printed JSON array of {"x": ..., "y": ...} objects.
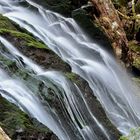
[
  {"x": 3, "y": 135},
  {"x": 91, "y": 28},
  {"x": 64, "y": 7},
  {"x": 18, "y": 125}
]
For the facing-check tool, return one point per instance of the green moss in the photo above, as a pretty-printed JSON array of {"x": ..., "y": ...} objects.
[
  {"x": 71, "y": 76},
  {"x": 5, "y": 23},
  {"x": 7, "y": 27},
  {"x": 26, "y": 39},
  {"x": 124, "y": 138},
  {"x": 133, "y": 135},
  {"x": 136, "y": 62},
  {"x": 134, "y": 46}
]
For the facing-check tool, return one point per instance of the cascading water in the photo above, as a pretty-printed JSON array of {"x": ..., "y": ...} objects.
[
  {"x": 23, "y": 96},
  {"x": 76, "y": 111},
  {"x": 113, "y": 88}
]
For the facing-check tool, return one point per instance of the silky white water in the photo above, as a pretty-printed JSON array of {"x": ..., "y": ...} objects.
[
  {"x": 115, "y": 91},
  {"x": 16, "y": 91},
  {"x": 19, "y": 92}
]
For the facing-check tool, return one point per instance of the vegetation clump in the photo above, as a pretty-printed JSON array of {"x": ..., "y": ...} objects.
[
  {"x": 8, "y": 29},
  {"x": 5, "y": 23},
  {"x": 133, "y": 135},
  {"x": 71, "y": 76}
]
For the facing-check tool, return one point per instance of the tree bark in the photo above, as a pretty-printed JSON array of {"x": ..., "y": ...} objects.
[{"x": 110, "y": 22}]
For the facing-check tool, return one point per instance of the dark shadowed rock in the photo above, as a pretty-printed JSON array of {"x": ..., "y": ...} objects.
[{"x": 18, "y": 125}]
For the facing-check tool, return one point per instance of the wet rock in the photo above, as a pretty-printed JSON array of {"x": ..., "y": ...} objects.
[
  {"x": 35, "y": 49},
  {"x": 91, "y": 28},
  {"x": 3, "y": 135},
  {"x": 64, "y": 7},
  {"x": 18, "y": 125},
  {"x": 95, "y": 108}
]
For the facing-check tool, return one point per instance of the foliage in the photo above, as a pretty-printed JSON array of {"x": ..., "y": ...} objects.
[
  {"x": 71, "y": 76},
  {"x": 133, "y": 135}
]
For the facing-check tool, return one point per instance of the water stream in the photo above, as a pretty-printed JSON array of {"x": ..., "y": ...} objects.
[
  {"x": 109, "y": 82},
  {"x": 77, "y": 115}
]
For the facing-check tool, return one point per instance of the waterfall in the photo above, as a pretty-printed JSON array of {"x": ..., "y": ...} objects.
[
  {"x": 76, "y": 110},
  {"x": 109, "y": 82}
]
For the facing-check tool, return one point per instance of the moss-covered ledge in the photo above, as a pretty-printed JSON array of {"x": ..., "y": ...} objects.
[
  {"x": 5, "y": 23},
  {"x": 30, "y": 46},
  {"x": 23, "y": 38},
  {"x": 11, "y": 29}
]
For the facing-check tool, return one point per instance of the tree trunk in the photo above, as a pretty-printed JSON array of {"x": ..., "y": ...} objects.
[{"x": 109, "y": 20}]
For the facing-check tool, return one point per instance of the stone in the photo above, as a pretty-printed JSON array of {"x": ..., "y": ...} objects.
[{"x": 3, "y": 135}]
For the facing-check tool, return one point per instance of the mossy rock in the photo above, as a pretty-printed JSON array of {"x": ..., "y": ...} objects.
[
  {"x": 133, "y": 135},
  {"x": 9, "y": 28},
  {"x": 5, "y": 23},
  {"x": 62, "y": 7},
  {"x": 71, "y": 76},
  {"x": 134, "y": 46},
  {"x": 136, "y": 62},
  {"x": 14, "y": 121},
  {"x": 26, "y": 39}
]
